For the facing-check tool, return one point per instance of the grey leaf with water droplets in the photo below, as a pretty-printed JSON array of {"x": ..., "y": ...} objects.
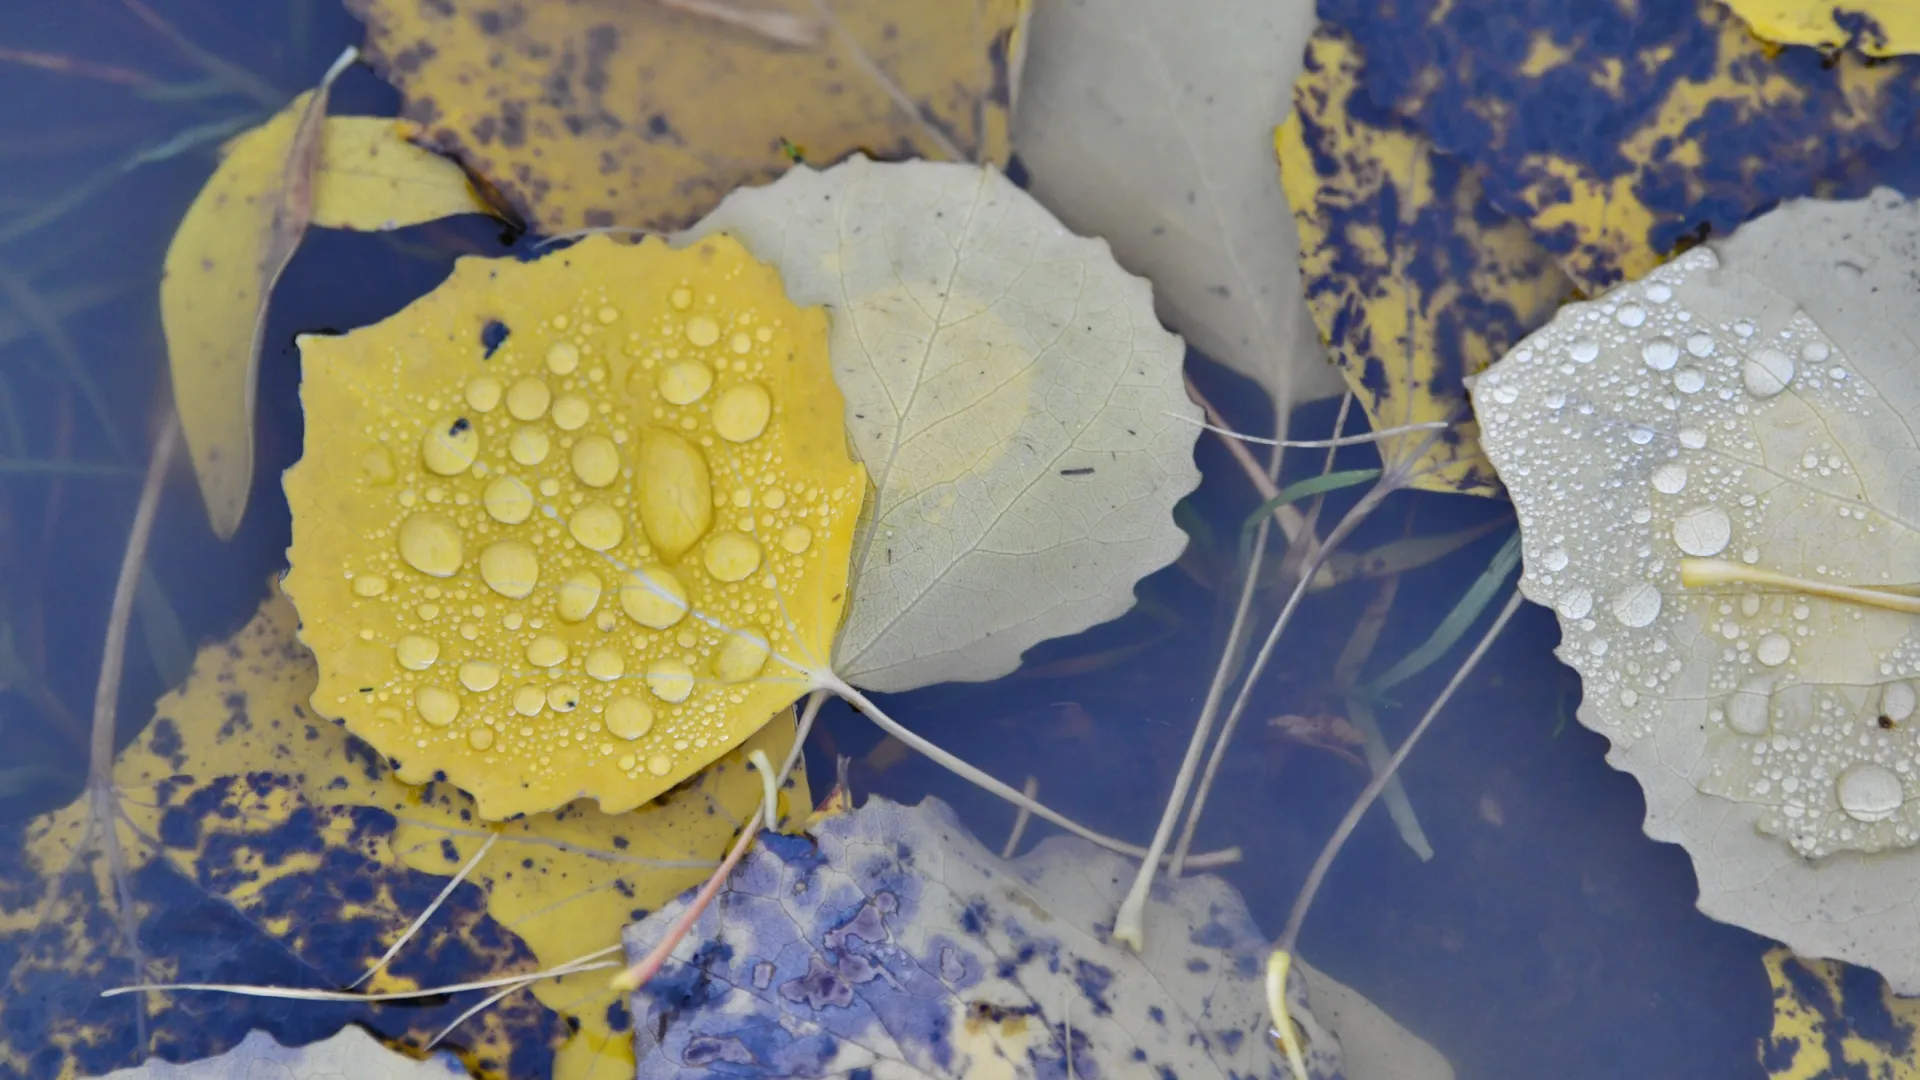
[
  {"x": 1750, "y": 407},
  {"x": 891, "y": 940}
]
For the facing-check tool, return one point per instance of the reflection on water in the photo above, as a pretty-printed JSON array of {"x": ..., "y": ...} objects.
[{"x": 1547, "y": 935}]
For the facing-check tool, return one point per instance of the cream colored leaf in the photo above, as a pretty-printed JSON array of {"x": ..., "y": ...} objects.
[
  {"x": 1151, "y": 124},
  {"x": 1750, "y": 407},
  {"x": 1013, "y": 396},
  {"x": 350, "y": 1055}
]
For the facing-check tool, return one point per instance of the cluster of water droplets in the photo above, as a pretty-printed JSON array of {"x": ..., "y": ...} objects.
[{"x": 1635, "y": 431}]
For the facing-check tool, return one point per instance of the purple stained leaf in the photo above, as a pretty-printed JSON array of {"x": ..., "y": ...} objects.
[{"x": 889, "y": 938}]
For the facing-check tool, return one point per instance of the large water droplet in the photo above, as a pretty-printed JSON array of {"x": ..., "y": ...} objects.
[
  {"x": 1660, "y": 354},
  {"x": 1554, "y": 561},
  {"x": 1767, "y": 372},
  {"x": 1575, "y": 604},
  {"x": 1670, "y": 479},
  {"x": 1638, "y": 606},
  {"x": 1869, "y": 792},
  {"x": 1689, "y": 380},
  {"x": 1703, "y": 531},
  {"x": 1631, "y": 315},
  {"x": 1749, "y": 708},
  {"x": 1584, "y": 351},
  {"x": 1700, "y": 345},
  {"x": 1897, "y": 700},
  {"x": 1773, "y": 650},
  {"x": 1693, "y": 438}
]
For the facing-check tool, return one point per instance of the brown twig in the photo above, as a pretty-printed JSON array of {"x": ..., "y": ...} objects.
[{"x": 84, "y": 69}]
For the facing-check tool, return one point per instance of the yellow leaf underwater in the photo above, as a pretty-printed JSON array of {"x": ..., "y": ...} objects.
[
  {"x": 573, "y": 527},
  {"x": 1831, "y": 1020},
  {"x": 1875, "y": 27},
  {"x": 238, "y": 235},
  {"x": 267, "y": 846},
  {"x": 645, "y": 113},
  {"x": 1412, "y": 278}
]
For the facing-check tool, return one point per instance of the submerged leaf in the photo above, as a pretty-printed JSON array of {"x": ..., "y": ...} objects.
[
  {"x": 1831, "y": 1020},
  {"x": 573, "y": 527},
  {"x": 1012, "y": 394},
  {"x": 1713, "y": 470},
  {"x": 267, "y": 846},
  {"x": 350, "y": 1055},
  {"x": 644, "y": 113},
  {"x": 890, "y": 940},
  {"x": 243, "y": 227},
  {"x": 1622, "y": 132},
  {"x": 1146, "y": 123},
  {"x": 1414, "y": 279},
  {"x": 1874, "y": 27}
]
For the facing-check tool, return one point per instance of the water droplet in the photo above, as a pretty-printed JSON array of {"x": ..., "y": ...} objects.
[
  {"x": 1693, "y": 438},
  {"x": 1584, "y": 351},
  {"x": 571, "y": 412},
  {"x": 676, "y": 492},
  {"x": 659, "y": 764},
  {"x": 1897, "y": 700},
  {"x": 597, "y": 526},
  {"x": 702, "y": 331},
  {"x": 563, "y": 698},
  {"x": 1700, "y": 345},
  {"x": 796, "y": 539},
  {"x": 1659, "y": 293},
  {"x": 483, "y": 394},
  {"x": 685, "y": 382},
  {"x": 509, "y": 568},
  {"x": 741, "y": 343},
  {"x": 681, "y": 298},
  {"x": 1575, "y": 604},
  {"x": 1869, "y": 792},
  {"x": 1689, "y": 380},
  {"x": 1815, "y": 351},
  {"x": 436, "y": 706},
  {"x": 563, "y": 358},
  {"x": 529, "y": 700},
  {"x": 579, "y": 595},
  {"x": 731, "y": 556},
  {"x": 508, "y": 501},
  {"x": 546, "y": 650},
  {"x": 606, "y": 664},
  {"x": 1767, "y": 372},
  {"x": 528, "y": 398},
  {"x": 1670, "y": 479},
  {"x": 1773, "y": 650},
  {"x": 628, "y": 718},
  {"x": 670, "y": 680},
  {"x": 595, "y": 461},
  {"x": 530, "y": 445},
  {"x": 1703, "y": 531},
  {"x": 1640, "y": 436},
  {"x": 448, "y": 448},
  {"x": 369, "y": 585},
  {"x": 1505, "y": 393},
  {"x": 1638, "y": 606},
  {"x": 1660, "y": 354},
  {"x": 480, "y": 738},
  {"x": 741, "y": 414},
  {"x": 430, "y": 543},
  {"x": 479, "y": 676},
  {"x": 741, "y": 658},
  {"x": 416, "y": 653},
  {"x": 654, "y": 597},
  {"x": 1555, "y": 560}
]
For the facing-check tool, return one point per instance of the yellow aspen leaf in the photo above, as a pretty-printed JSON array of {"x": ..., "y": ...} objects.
[
  {"x": 1830, "y": 1019},
  {"x": 573, "y": 527},
  {"x": 1414, "y": 281},
  {"x": 359, "y": 172},
  {"x": 1875, "y": 27},
  {"x": 646, "y": 112},
  {"x": 266, "y": 845}
]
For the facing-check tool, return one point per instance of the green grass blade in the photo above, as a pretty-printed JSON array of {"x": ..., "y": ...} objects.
[
  {"x": 1455, "y": 625},
  {"x": 1294, "y": 492}
]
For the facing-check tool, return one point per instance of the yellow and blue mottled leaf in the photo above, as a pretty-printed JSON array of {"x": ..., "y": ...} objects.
[
  {"x": 1414, "y": 280},
  {"x": 1834, "y": 1020},
  {"x": 267, "y": 846},
  {"x": 1874, "y": 27},
  {"x": 1622, "y": 132}
]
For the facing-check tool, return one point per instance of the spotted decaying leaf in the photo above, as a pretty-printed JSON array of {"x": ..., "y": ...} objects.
[
  {"x": 645, "y": 114},
  {"x": 1714, "y": 471},
  {"x": 350, "y": 1055},
  {"x": 1832, "y": 1020},
  {"x": 1008, "y": 386},
  {"x": 573, "y": 527},
  {"x": 1622, "y": 132},
  {"x": 236, "y": 238},
  {"x": 266, "y": 846},
  {"x": 890, "y": 940},
  {"x": 1415, "y": 281},
  {"x": 1874, "y": 27}
]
